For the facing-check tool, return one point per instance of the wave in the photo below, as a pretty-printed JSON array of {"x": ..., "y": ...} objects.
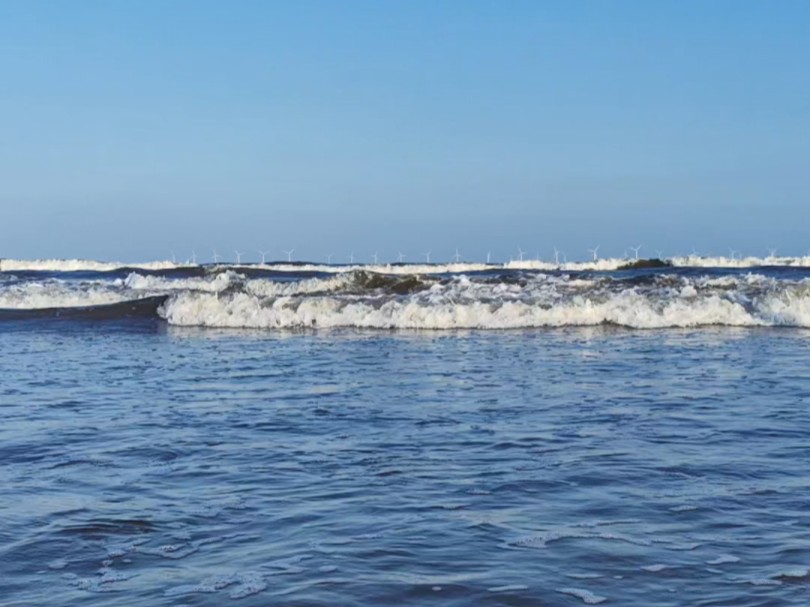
[
  {"x": 697, "y": 261},
  {"x": 59, "y": 294},
  {"x": 607, "y": 264},
  {"x": 229, "y": 280},
  {"x": 80, "y": 265},
  {"x": 56, "y": 293},
  {"x": 543, "y": 301},
  {"x": 351, "y": 282},
  {"x": 504, "y": 299},
  {"x": 599, "y": 265},
  {"x": 140, "y": 308}
]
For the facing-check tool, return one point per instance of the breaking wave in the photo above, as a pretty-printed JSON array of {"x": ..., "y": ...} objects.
[
  {"x": 538, "y": 301},
  {"x": 599, "y": 265},
  {"x": 79, "y": 265},
  {"x": 645, "y": 296},
  {"x": 59, "y": 294}
]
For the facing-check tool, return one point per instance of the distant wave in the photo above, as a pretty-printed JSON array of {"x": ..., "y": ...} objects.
[
  {"x": 79, "y": 265},
  {"x": 696, "y": 261},
  {"x": 685, "y": 261},
  {"x": 603, "y": 265},
  {"x": 60, "y": 294}
]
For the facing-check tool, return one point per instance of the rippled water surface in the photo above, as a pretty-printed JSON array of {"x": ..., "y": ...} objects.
[{"x": 143, "y": 464}]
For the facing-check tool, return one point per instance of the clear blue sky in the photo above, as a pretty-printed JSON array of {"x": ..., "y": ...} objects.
[{"x": 130, "y": 128}]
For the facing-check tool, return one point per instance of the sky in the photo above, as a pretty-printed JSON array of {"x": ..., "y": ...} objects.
[{"x": 135, "y": 130}]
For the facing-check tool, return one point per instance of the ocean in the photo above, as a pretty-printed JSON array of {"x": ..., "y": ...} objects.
[{"x": 614, "y": 432}]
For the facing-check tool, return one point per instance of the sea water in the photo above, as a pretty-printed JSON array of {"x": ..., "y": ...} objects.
[{"x": 312, "y": 436}]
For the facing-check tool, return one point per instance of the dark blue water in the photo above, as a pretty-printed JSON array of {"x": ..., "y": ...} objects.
[{"x": 145, "y": 464}]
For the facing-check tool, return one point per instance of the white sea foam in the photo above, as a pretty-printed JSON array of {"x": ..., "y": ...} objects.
[
  {"x": 381, "y": 268},
  {"x": 57, "y": 294},
  {"x": 723, "y": 559},
  {"x": 223, "y": 281},
  {"x": 587, "y": 597},
  {"x": 78, "y": 265},
  {"x": 215, "y": 283},
  {"x": 604, "y": 264},
  {"x": 463, "y": 304},
  {"x": 508, "y": 588},
  {"x": 794, "y": 573},
  {"x": 362, "y": 299},
  {"x": 697, "y": 261}
]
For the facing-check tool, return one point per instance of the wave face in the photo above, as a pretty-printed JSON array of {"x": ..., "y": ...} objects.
[{"x": 515, "y": 296}]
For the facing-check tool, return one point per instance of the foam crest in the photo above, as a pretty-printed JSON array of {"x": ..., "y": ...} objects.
[
  {"x": 382, "y": 268},
  {"x": 541, "y": 302},
  {"x": 587, "y": 597},
  {"x": 228, "y": 280},
  {"x": 53, "y": 294},
  {"x": 213, "y": 284},
  {"x": 79, "y": 265},
  {"x": 698, "y": 261},
  {"x": 606, "y": 264}
]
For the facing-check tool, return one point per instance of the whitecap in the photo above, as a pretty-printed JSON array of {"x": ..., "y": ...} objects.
[
  {"x": 587, "y": 597},
  {"x": 723, "y": 559}
]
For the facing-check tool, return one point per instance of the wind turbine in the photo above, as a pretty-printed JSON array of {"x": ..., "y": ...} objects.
[
  {"x": 238, "y": 256},
  {"x": 329, "y": 259},
  {"x": 400, "y": 257},
  {"x": 174, "y": 259},
  {"x": 264, "y": 256},
  {"x": 520, "y": 253},
  {"x": 489, "y": 255},
  {"x": 193, "y": 257},
  {"x": 556, "y": 256},
  {"x": 215, "y": 256},
  {"x": 772, "y": 252},
  {"x": 636, "y": 250},
  {"x": 288, "y": 254},
  {"x": 427, "y": 257},
  {"x": 374, "y": 257},
  {"x": 457, "y": 256},
  {"x": 595, "y": 252},
  {"x": 351, "y": 258}
]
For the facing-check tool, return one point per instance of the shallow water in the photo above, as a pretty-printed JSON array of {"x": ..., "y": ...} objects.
[{"x": 144, "y": 464}]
